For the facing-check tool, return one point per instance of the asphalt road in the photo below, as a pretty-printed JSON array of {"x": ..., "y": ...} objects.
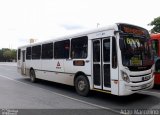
[{"x": 18, "y": 95}]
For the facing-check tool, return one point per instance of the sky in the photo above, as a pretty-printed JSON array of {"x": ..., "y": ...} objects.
[{"x": 21, "y": 20}]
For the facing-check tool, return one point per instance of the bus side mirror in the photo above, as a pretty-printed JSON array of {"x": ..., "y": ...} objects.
[{"x": 121, "y": 43}]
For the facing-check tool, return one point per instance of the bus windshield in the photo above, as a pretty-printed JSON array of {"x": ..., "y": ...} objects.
[{"x": 136, "y": 52}]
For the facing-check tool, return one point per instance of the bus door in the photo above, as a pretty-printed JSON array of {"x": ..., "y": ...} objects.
[
  {"x": 101, "y": 63},
  {"x": 23, "y": 64}
]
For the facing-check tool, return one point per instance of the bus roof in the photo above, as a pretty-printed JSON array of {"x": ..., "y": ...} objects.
[
  {"x": 155, "y": 36},
  {"x": 83, "y": 33},
  {"x": 110, "y": 27}
]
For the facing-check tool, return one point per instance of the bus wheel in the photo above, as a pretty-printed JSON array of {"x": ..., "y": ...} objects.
[
  {"x": 82, "y": 85},
  {"x": 32, "y": 76}
]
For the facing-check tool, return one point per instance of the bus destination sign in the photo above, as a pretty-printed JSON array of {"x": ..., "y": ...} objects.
[{"x": 132, "y": 30}]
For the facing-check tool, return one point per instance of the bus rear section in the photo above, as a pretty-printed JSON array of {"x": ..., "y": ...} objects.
[{"x": 155, "y": 40}]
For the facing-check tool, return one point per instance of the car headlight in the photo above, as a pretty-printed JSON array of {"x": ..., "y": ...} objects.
[{"x": 125, "y": 77}]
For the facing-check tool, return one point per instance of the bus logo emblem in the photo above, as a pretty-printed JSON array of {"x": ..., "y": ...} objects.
[{"x": 58, "y": 64}]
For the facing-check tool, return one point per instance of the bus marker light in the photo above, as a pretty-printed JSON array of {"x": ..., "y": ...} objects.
[{"x": 115, "y": 81}]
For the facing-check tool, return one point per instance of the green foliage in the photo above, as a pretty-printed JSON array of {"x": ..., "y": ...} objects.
[
  {"x": 156, "y": 25},
  {"x": 7, "y": 54}
]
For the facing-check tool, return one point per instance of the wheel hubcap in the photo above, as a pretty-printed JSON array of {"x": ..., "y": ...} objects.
[{"x": 81, "y": 85}]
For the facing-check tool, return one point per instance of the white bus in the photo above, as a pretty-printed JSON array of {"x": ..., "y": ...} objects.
[{"x": 115, "y": 59}]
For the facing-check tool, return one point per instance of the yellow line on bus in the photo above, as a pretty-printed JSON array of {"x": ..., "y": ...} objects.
[{"x": 103, "y": 91}]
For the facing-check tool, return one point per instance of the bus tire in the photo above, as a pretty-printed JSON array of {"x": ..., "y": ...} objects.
[
  {"x": 32, "y": 76},
  {"x": 82, "y": 85}
]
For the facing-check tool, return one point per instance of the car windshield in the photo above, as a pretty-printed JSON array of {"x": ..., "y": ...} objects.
[{"x": 136, "y": 51}]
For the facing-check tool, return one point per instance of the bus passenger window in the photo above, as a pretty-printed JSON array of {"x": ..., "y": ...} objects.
[
  {"x": 96, "y": 51},
  {"x": 47, "y": 51},
  {"x": 61, "y": 49},
  {"x": 79, "y": 47},
  {"x": 28, "y": 53},
  {"x": 19, "y": 54},
  {"x": 106, "y": 50},
  {"x": 36, "y": 52},
  {"x": 114, "y": 53}
]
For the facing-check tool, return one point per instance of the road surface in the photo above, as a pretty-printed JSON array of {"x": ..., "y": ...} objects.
[{"x": 20, "y": 96}]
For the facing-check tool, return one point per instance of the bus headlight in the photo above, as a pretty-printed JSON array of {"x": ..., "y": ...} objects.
[
  {"x": 152, "y": 73},
  {"x": 125, "y": 77}
]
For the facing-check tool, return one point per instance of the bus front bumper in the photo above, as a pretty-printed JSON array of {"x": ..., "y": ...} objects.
[{"x": 130, "y": 88}]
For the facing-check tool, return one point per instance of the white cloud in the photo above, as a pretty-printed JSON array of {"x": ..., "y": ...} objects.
[{"x": 21, "y": 20}]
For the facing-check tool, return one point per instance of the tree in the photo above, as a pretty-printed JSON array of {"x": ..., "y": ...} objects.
[
  {"x": 1, "y": 55},
  {"x": 156, "y": 25},
  {"x": 9, "y": 54}
]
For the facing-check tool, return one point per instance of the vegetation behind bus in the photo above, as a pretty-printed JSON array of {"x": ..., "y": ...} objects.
[
  {"x": 156, "y": 25},
  {"x": 7, "y": 55}
]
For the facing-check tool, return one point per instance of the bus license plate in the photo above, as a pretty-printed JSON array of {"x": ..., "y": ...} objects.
[{"x": 146, "y": 78}]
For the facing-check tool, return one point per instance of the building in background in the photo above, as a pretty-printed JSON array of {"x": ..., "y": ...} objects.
[{"x": 32, "y": 40}]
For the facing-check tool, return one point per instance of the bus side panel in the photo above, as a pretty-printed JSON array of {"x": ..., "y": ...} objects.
[
  {"x": 53, "y": 70},
  {"x": 114, "y": 70},
  {"x": 36, "y": 65},
  {"x": 114, "y": 81},
  {"x": 18, "y": 66},
  {"x": 71, "y": 67},
  {"x": 28, "y": 67}
]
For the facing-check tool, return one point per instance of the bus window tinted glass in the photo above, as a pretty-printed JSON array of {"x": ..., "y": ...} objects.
[
  {"x": 47, "y": 51},
  {"x": 96, "y": 51},
  {"x": 155, "y": 47},
  {"x": 114, "y": 53},
  {"x": 28, "y": 53},
  {"x": 36, "y": 52},
  {"x": 19, "y": 54},
  {"x": 79, "y": 47},
  {"x": 106, "y": 50},
  {"x": 61, "y": 49}
]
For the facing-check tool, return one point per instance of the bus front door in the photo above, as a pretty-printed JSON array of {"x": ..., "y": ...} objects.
[
  {"x": 101, "y": 64},
  {"x": 23, "y": 64}
]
